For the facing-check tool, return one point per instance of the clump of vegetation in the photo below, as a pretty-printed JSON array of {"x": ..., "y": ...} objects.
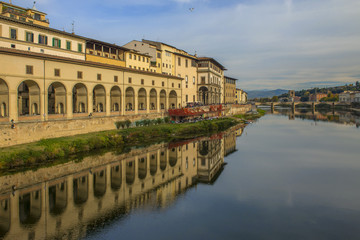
[
  {"x": 47, "y": 150},
  {"x": 251, "y": 116}
]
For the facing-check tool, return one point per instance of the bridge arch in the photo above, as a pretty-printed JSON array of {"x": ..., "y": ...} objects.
[
  {"x": 56, "y": 98},
  {"x": 81, "y": 189},
  {"x": 116, "y": 177},
  {"x": 58, "y": 195},
  {"x": 142, "y": 99},
  {"x": 99, "y": 98},
  {"x": 115, "y": 99},
  {"x": 130, "y": 99},
  {"x": 172, "y": 99},
  {"x": 4, "y": 99},
  {"x": 142, "y": 167},
  {"x": 173, "y": 157},
  {"x": 80, "y": 98},
  {"x": 162, "y": 99},
  {"x": 30, "y": 207},
  {"x": 153, "y": 99},
  {"x": 28, "y": 98},
  {"x": 99, "y": 183}
]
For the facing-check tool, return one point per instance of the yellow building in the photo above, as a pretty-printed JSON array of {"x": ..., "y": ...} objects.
[
  {"x": 210, "y": 81},
  {"x": 170, "y": 60},
  {"x": 229, "y": 90},
  {"x": 101, "y": 52},
  {"x": 29, "y": 15}
]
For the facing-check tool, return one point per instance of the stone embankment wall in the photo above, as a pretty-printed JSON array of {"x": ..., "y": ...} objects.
[{"x": 26, "y": 132}]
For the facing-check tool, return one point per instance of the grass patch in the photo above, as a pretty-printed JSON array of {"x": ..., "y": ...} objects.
[{"x": 48, "y": 150}]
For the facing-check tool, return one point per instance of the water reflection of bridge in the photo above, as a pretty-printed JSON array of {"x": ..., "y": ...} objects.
[{"x": 65, "y": 206}]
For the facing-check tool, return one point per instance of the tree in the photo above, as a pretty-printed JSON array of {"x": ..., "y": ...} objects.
[{"x": 275, "y": 99}]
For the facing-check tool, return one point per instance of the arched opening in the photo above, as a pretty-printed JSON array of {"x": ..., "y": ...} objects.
[
  {"x": 204, "y": 95},
  {"x": 129, "y": 99},
  {"x": 56, "y": 98},
  {"x": 58, "y": 198},
  {"x": 99, "y": 99},
  {"x": 116, "y": 177},
  {"x": 163, "y": 161},
  {"x": 142, "y": 99},
  {"x": 162, "y": 99},
  {"x": 80, "y": 190},
  {"x": 28, "y": 98},
  {"x": 153, "y": 164},
  {"x": 130, "y": 172},
  {"x": 30, "y": 207},
  {"x": 115, "y": 99},
  {"x": 172, "y": 99},
  {"x": 153, "y": 99},
  {"x": 204, "y": 148},
  {"x": 173, "y": 156},
  {"x": 99, "y": 183},
  {"x": 142, "y": 165},
  {"x": 5, "y": 217},
  {"x": 4, "y": 99},
  {"x": 80, "y": 103}
]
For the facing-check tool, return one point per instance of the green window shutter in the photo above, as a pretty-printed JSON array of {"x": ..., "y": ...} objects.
[
  {"x": 32, "y": 37},
  {"x": 27, "y": 37},
  {"x": 53, "y": 42},
  {"x": 59, "y": 43},
  {"x": 39, "y": 38},
  {"x": 46, "y": 40}
]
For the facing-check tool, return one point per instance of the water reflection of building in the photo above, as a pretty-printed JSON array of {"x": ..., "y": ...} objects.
[{"x": 72, "y": 203}]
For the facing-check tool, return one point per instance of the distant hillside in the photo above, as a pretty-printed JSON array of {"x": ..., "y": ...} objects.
[{"x": 265, "y": 93}]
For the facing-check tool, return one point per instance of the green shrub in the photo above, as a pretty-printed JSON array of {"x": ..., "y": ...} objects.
[{"x": 166, "y": 119}]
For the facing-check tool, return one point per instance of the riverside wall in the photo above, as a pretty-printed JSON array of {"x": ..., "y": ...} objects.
[{"x": 27, "y": 132}]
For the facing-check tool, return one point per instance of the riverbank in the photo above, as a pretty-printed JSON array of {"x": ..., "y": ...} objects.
[{"x": 48, "y": 150}]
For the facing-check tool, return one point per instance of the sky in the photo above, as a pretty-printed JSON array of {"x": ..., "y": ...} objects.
[{"x": 265, "y": 44}]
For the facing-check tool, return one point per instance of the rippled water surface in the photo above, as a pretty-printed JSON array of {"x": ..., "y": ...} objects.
[{"x": 283, "y": 177}]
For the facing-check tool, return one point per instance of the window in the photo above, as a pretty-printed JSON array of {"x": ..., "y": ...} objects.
[
  {"x": 139, "y": 58},
  {"x": 153, "y": 82},
  {"x": 187, "y": 98},
  {"x": 179, "y": 61},
  {"x": 193, "y": 98},
  {"x": 43, "y": 39},
  {"x": 147, "y": 60},
  {"x": 142, "y": 81},
  {"x": 186, "y": 63},
  {"x": 68, "y": 45},
  {"x": 186, "y": 79},
  {"x": 79, "y": 47},
  {"x": 130, "y": 56},
  {"x": 202, "y": 80},
  {"x": 79, "y": 75},
  {"x": 29, "y": 69},
  {"x": 193, "y": 80},
  {"x": 13, "y": 33},
  {"x": 159, "y": 55},
  {"x": 129, "y": 79},
  {"x": 29, "y": 36},
  {"x": 57, "y": 72},
  {"x": 143, "y": 59},
  {"x": 99, "y": 77},
  {"x": 56, "y": 42},
  {"x": 172, "y": 84},
  {"x": 163, "y": 84},
  {"x": 116, "y": 79},
  {"x": 179, "y": 85}
]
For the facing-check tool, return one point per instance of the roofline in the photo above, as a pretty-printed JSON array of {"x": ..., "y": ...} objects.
[
  {"x": 42, "y": 27},
  {"x": 231, "y": 78},
  {"x": 16, "y": 52},
  {"x": 106, "y": 43},
  {"x": 150, "y": 41},
  {"x": 22, "y": 7},
  {"x": 212, "y": 60}
]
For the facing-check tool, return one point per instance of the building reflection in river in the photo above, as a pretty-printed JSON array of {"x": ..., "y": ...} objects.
[{"x": 73, "y": 203}]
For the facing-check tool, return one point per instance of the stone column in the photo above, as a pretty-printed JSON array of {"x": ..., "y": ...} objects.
[
  {"x": 148, "y": 102},
  {"x": 158, "y": 103},
  {"x": 136, "y": 102},
  {"x": 42, "y": 111},
  {"x": 13, "y": 106},
  {"x": 108, "y": 104},
  {"x": 69, "y": 105}
]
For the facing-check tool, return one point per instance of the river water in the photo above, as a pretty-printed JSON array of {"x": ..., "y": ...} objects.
[{"x": 286, "y": 176}]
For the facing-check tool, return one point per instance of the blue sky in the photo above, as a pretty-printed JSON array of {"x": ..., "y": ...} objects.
[{"x": 266, "y": 44}]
